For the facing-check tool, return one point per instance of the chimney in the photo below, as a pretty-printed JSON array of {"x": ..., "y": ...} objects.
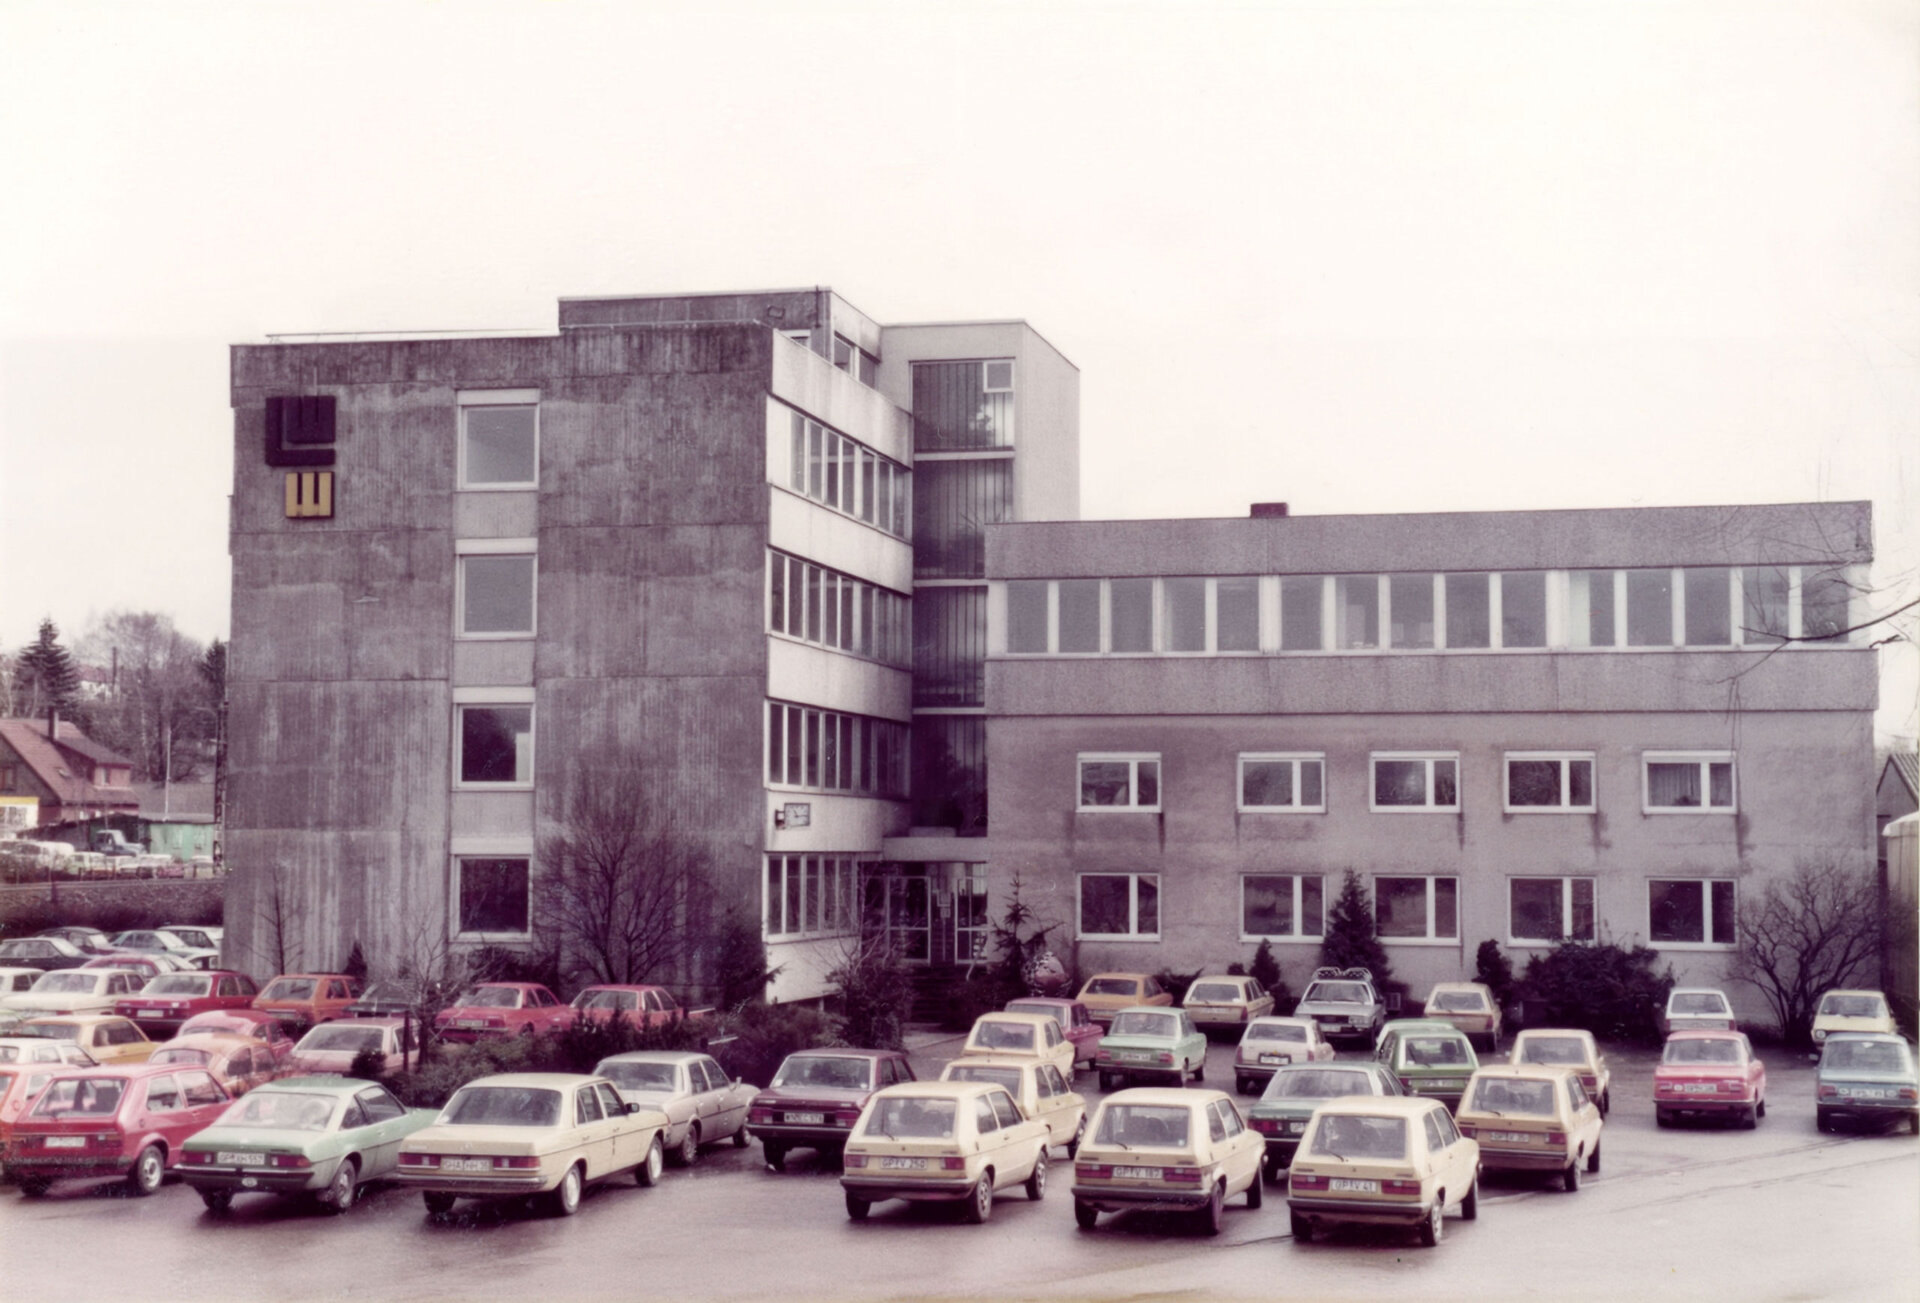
[
  {"x": 1269, "y": 510},
  {"x": 53, "y": 721}
]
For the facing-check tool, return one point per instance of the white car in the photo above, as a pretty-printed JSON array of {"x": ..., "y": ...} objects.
[
  {"x": 1271, "y": 1043},
  {"x": 1851, "y": 1011},
  {"x": 76, "y": 990},
  {"x": 1699, "y": 1009}
]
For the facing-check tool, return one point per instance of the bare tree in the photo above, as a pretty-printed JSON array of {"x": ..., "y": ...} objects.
[
  {"x": 161, "y": 709},
  {"x": 624, "y": 888},
  {"x": 1810, "y": 931},
  {"x": 278, "y": 919}
]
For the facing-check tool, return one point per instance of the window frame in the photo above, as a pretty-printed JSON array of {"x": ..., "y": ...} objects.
[
  {"x": 1430, "y": 757},
  {"x": 466, "y": 400},
  {"x": 1565, "y": 759},
  {"x": 465, "y": 699},
  {"x": 495, "y": 548},
  {"x": 1705, "y": 760},
  {"x": 464, "y": 851},
  {"x": 1296, "y": 937},
  {"x": 1430, "y": 938},
  {"x": 1566, "y": 881},
  {"x": 1133, "y": 760},
  {"x": 1705, "y": 886},
  {"x": 1133, "y": 878},
  {"x": 1296, "y": 759},
  {"x": 839, "y": 874}
]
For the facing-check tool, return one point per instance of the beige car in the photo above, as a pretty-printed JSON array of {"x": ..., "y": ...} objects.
[
  {"x": 106, "y": 1037},
  {"x": 1226, "y": 1003},
  {"x": 1371, "y": 1160},
  {"x": 1165, "y": 1149},
  {"x": 1851, "y": 1011},
  {"x": 76, "y": 990},
  {"x": 1568, "y": 1047},
  {"x": 1533, "y": 1118},
  {"x": 545, "y": 1133},
  {"x": 236, "y": 1062},
  {"x": 1038, "y": 1088},
  {"x": 1106, "y": 994},
  {"x": 1021, "y": 1035},
  {"x": 943, "y": 1141},
  {"x": 1469, "y": 1006}
]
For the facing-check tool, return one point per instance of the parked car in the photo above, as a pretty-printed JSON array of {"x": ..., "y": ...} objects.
[
  {"x": 1344, "y": 1002},
  {"x": 1697, "y": 1008},
  {"x": 1433, "y": 1062},
  {"x": 319, "y": 1136},
  {"x": 90, "y": 939},
  {"x": 264, "y": 1028},
  {"x": 537, "y": 1133},
  {"x": 1714, "y": 1074},
  {"x": 19, "y": 979},
  {"x": 142, "y": 967},
  {"x": 1280, "y": 1114},
  {"x": 1038, "y": 1088},
  {"x": 943, "y": 1141},
  {"x": 1379, "y": 1161},
  {"x": 1168, "y": 1151},
  {"x": 1471, "y": 1008},
  {"x": 1021, "y": 1035},
  {"x": 43, "y": 954},
  {"x": 1076, "y": 1023},
  {"x": 702, "y": 1103},
  {"x": 201, "y": 936},
  {"x": 20, "y": 1084},
  {"x": 1270, "y": 1043},
  {"x": 643, "y": 1006},
  {"x": 1151, "y": 1042},
  {"x": 1866, "y": 1077},
  {"x": 331, "y": 1048},
  {"x": 112, "y": 842},
  {"x": 168, "y": 1000},
  {"x": 1226, "y": 1003},
  {"x": 107, "y": 1038},
  {"x": 303, "y": 1000},
  {"x": 1531, "y": 1118},
  {"x": 157, "y": 941},
  {"x": 238, "y": 1063},
  {"x": 502, "y": 1009},
  {"x": 1568, "y": 1048},
  {"x": 75, "y": 990},
  {"x": 1851, "y": 1011},
  {"x": 44, "y": 1050},
  {"x": 1106, "y": 994},
  {"x": 816, "y": 1096},
  {"x": 1383, "y": 1039},
  {"x": 127, "y": 1121},
  {"x": 382, "y": 1000}
]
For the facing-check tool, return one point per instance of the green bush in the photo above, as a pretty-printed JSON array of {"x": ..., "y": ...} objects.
[
  {"x": 367, "y": 1064},
  {"x": 1176, "y": 984},
  {"x": 1612, "y": 992},
  {"x": 579, "y": 1047},
  {"x": 875, "y": 996},
  {"x": 740, "y": 963},
  {"x": 433, "y": 1084},
  {"x": 1494, "y": 970},
  {"x": 757, "y": 1037}
]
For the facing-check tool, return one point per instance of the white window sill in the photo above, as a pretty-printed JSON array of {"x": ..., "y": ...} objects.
[
  {"x": 1283, "y": 809},
  {"x": 1414, "y": 809},
  {"x": 493, "y": 787},
  {"x": 528, "y": 487},
  {"x": 1114, "y": 936},
  {"x": 1419, "y": 941},
  {"x": 1254, "y": 938},
  {"x": 1723, "y": 947},
  {"x": 494, "y": 938},
  {"x": 1117, "y": 809},
  {"x": 463, "y": 636},
  {"x": 1552, "y": 809},
  {"x": 1688, "y": 809}
]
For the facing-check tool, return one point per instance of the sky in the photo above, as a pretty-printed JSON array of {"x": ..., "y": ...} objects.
[{"x": 1359, "y": 257}]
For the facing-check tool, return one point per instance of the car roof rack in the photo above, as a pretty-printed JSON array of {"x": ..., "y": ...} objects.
[{"x": 1334, "y": 972}]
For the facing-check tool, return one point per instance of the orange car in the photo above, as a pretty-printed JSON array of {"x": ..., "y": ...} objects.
[
  {"x": 303, "y": 1000},
  {"x": 237, "y": 1062}
]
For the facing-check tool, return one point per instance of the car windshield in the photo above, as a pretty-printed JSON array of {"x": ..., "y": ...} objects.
[
  {"x": 1458, "y": 1002},
  {"x": 177, "y": 984},
  {"x": 1698, "y": 1002},
  {"x": 1318, "y": 1083},
  {"x": 990, "y": 1035},
  {"x": 503, "y": 1106},
  {"x": 1508, "y": 1095},
  {"x": 67, "y": 982},
  {"x": 919, "y": 1119},
  {"x": 280, "y": 1110},
  {"x": 1276, "y": 1031},
  {"x": 1553, "y": 1049},
  {"x": 1113, "y": 986},
  {"x": 628, "y": 1000},
  {"x": 1024, "y": 1006},
  {"x": 961, "y": 1070},
  {"x": 391, "y": 991},
  {"x": 1432, "y": 1052},
  {"x": 490, "y": 997},
  {"x": 1140, "y": 1023},
  {"x": 1337, "y": 993},
  {"x": 637, "y": 1076},
  {"x": 1853, "y": 1006},
  {"x": 1718, "y": 1050},
  {"x": 1344, "y": 1136},
  {"x": 824, "y": 1070},
  {"x": 1867, "y": 1056},
  {"x": 82, "y": 1097},
  {"x": 193, "y": 936},
  {"x": 9, "y": 1054},
  {"x": 289, "y": 988},
  {"x": 1158, "y": 1126},
  {"x": 1215, "y": 992},
  {"x": 217, "y": 1026},
  {"x": 53, "y": 1031},
  {"x": 181, "y": 1054},
  {"x": 345, "y": 1039}
]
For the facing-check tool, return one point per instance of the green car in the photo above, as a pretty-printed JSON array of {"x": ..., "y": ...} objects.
[
  {"x": 1431, "y": 1059},
  {"x": 1866, "y": 1077},
  {"x": 1296, "y": 1090},
  {"x": 319, "y": 1136},
  {"x": 1154, "y": 1042}
]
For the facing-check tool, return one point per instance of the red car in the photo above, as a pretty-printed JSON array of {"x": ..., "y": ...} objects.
[
  {"x": 262, "y": 1027},
  {"x": 1713, "y": 1074},
  {"x": 1076, "y": 1024},
  {"x": 171, "y": 998},
  {"x": 816, "y": 1097},
  {"x": 643, "y": 1006},
  {"x": 127, "y": 1122},
  {"x": 502, "y": 1009}
]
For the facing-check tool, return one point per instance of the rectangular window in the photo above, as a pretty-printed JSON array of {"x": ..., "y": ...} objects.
[
  {"x": 1523, "y": 609},
  {"x": 809, "y": 895},
  {"x": 962, "y": 405},
  {"x": 1357, "y": 612},
  {"x": 1079, "y": 615},
  {"x": 1826, "y": 596},
  {"x": 1469, "y": 611},
  {"x": 1709, "y": 606},
  {"x": 1590, "y": 608},
  {"x": 1290, "y": 784},
  {"x": 1186, "y": 614},
  {"x": 777, "y": 592},
  {"x": 1237, "y": 614},
  {"x": 1120, "y": 906},
  {"x": 493, "y": 893},
  {"x": 1549, "y": 910},
  {"x": 1132, "y": 602},
  {"x": 1119, "y": 782},
  {"x": 1690, "y": 911},
  {"x": 1027, "y": 615},
  {"x": 1540, "y": 781},
  {"x": 1416, "y": 909},
  {"x": 1649, "y": 608},
  {"x": 496, "y": 746},
  {"x": 840, "y": 473},
  {"x": 1684, "y": 783},
  {"x": 1409, "y": 781},
  {"x": 496, "y": 594},
  {"x": 1286, "y": 906},
  {"x": 1300, "y": 613},
  {"x": 1410, "y": 610},
  {"x": 499, "y": 441},
  {"x": 1763, "y": 604},
  {"x": 831, "y": 751}
]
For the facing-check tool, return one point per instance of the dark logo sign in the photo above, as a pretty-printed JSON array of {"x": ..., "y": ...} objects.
[{"x": 300, "y": 430}]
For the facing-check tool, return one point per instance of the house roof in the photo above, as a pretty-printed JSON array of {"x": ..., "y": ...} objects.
[
  {"x": 1906, "y": 764},
  {"x": 65, "y": 764}
]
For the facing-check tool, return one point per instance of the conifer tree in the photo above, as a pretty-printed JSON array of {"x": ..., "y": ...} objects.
[
  {"x": 1351, "y": 941},
  {"x": 45, "y": 675}
]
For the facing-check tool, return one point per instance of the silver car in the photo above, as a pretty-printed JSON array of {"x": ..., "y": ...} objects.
[{"x": 702, "y": 1103}]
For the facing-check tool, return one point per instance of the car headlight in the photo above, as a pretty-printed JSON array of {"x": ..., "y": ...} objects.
[{"x": 1819, "y": 1034}]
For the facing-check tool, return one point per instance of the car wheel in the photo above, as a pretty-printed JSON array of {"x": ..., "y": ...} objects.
[
  {"x": 1760, "y": 1109},
  {"x": 1434, "y": 1227},
  {"x": 740, "y": 1138},
  {"x": 1106, "y": 1081},
  {"x": 648, "y": 1173},
  {"x": 1302, "y": 1228},
  {"x": 341, "y": 1189},
  {"x": 1079, "y": 1134},
  {"x": 1256, "y": 1190},
  {"x": 1606, "y": 1102},
  {"x": 857, "y": 1208},
  {"x": 1822, "y": 1119},
  {"x": 1750, "y": 1118},
  {"x": 144, "y": 1178},
  {"x": 32, "y": 1187},
  {"x": 1085, "y": 1215},
  {"x": 1661, "y": 1117},
  {"x": 1593, "y": 1159},
  {"x": 688, "y": 1152},
  {"x": 1200, "y": 1069},
  {"x": 217, "y": 1201},
  {"x": 776, "y": 1155},
  {"x": 439, "y": 1203},
  {"x": 1270, "y": 1168},
  {"x": 1470, "y": 1206},
  {"x": 979, "y": 1204},
  {"x": 1913, "y": 1124},
  {"x": 1037, "y": 1180},
  {"x": 1570, "y": 1176},
  {"x": 1214, "y": 1215},
  {"x": 565, "y": 1199}
]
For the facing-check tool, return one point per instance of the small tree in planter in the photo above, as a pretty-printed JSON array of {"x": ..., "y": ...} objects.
[{"x": 1351, "y": 941}]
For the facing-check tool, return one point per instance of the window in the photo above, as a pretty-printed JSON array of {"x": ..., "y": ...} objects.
[
  {"x": 1416, "y": 909},
  {"x": 1690, "y": 912},
  {"x": 1132, "y": 611},
  {"x": 1410, "y": 609},
  {"x": 1356, "y": 612},
  {"x": 1027, "y": 615},
  {"x": 830, "y": 751},
  {"x": 496, "y": 745},
  {"x": 1120, "y": 906},
  {"x": 1549, "y": 910},
  {"x": 496, "y": 582},
  {"x": 822, "y": 606},
  {"x": 1542, "y": 781},
  {"x": 1079, "y": 615},
  {"x": 1677, "y": 782},
  {"x": 1411, "y": 781},
  {"x": 963, "y": 405},
  {"x": 1284, "y": 906},
  {"x": 1293, "y": 784},
  {"x": 1300, "y": 613},
  {"x": 492, "y": 891},
  {"x": 1649, "y": 608},
  {"x": 1590, "y": 608},
  {"x": 500, "y": 439},
  {"x": 1826, "y": 595},
  {"x": 835, "y": 471},
  {"x": 1763, "y": 604},
  {"x": 1110, "y": 782},
  {"x": 1237, "y": 614},
  {"x": 810, "y": 895},
  {"x": 1469, "y": 611},
  {"x": 1185, "y": 618},
  {"x": 1709, "y": 606}
]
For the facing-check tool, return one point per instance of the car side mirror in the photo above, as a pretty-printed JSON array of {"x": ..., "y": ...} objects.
[{"x": 632, "y": 1107}]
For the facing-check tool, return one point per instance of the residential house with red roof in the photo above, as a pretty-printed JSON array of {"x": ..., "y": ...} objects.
[{"x": 73, "y": 776}]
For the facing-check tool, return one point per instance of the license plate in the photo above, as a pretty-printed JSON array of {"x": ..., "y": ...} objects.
[
  {"x": 1873, "y": 1094},
  {"x": 1509, "y": 1137},
  {"x": 228, "y": 1158},
  {"x": 466, "y": 1164},
  {"x": 1273, "y": 1058},
  {"x": 1698, "y": 1087},
  {"x": 146, "y": 1013},
  {"x": 806, "y": 1119},
  {"x": 1128, "y": 1056},
  {"x": 469, "y": 1022},
  {"x": 66, "y": 1142},
  {"x": 1353, "y": 1186},
  {"x": 1137, "y": 1173},
  {"x": 1444, "y": 1083},
  {"x": 904, "y": 1164}
]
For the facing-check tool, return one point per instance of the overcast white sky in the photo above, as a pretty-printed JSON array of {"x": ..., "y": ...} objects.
[{"x": 1360, "y": 257}]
